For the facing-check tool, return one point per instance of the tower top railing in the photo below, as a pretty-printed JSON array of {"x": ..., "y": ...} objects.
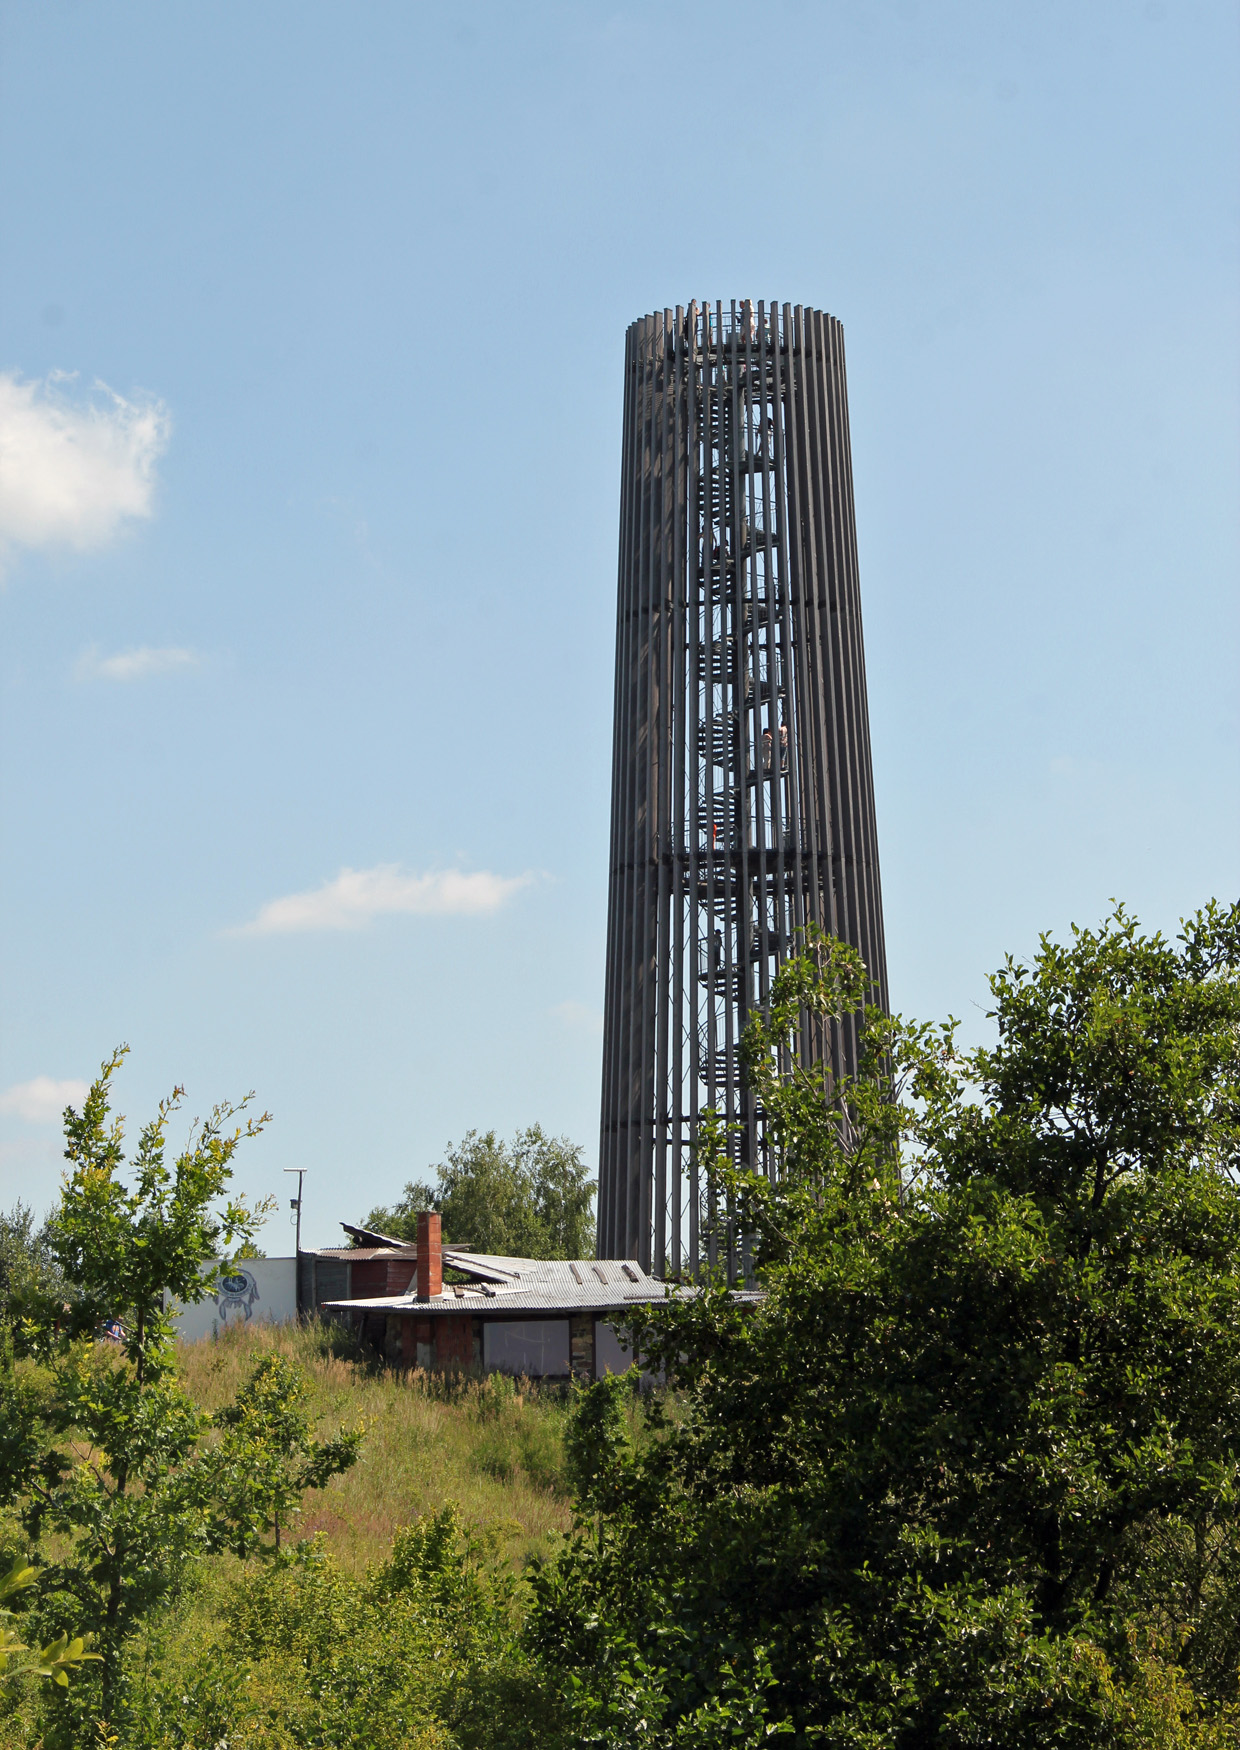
[{"x": 707, "y": 328}]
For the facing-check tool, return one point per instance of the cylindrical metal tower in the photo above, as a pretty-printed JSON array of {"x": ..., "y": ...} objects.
[{"x": 742, "y": 796}]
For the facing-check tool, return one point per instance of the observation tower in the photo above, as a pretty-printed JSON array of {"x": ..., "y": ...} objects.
[{"x": 742, "y": 795}]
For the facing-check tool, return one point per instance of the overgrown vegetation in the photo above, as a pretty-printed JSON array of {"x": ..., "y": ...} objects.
[
  {"x": 421, "y": 1651},
  {"x": 490, "y": 1446},
  {"x": 104, "y": 1460},
  {"x": 970, "y": 1473},
  {"x": 481, "y": 1460},
  {"x": 967, "y": 1475}
]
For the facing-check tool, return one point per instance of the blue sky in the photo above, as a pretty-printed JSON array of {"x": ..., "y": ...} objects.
[{"x": 311, "y": 334}]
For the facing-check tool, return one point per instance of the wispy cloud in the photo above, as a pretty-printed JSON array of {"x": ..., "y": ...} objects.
[
  {"x": 357, "y": 895},
  {"x": 42, "y": 1100},
  {"x": 74, "y": 465},
  {"x": 133, "y": 665}
]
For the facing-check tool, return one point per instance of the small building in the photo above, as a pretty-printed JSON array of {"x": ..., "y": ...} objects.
[
  {"x": 371, "y": 1269},
  {"x": 245, "y": 1290},
  {"x": 543, "y": 1318}
]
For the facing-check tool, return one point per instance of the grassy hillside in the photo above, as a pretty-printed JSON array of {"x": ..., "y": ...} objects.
[
  {"x": 493, "y": 1449},
  {"x": 382, "y": 1638}
]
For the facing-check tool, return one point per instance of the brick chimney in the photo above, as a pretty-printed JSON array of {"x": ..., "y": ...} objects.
[{"x": 430, "y": 1257}]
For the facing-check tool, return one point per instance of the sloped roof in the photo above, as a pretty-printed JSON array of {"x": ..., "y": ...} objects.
[
  {"x": 528, "y": 1285},
  {"x": 489, "y": 1266}
]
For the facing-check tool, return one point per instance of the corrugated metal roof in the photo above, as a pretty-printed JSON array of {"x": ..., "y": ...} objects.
[
  {"x": 486, "y": 1266},
  {"x": 547, "y": 1286}
]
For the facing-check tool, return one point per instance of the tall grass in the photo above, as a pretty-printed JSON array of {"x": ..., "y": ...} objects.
[{"x": 493, "y": 1446}]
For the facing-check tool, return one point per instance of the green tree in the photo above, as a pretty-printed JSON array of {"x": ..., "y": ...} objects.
[
  {"x": 269, "y": 1457},
  {"x": 57, "y": 1659},
  {"x": 30, "y": 1278},
  {"x": 98, "y": 1449},
  {"x": 562, "y": 1192},
  {"x": 530, "y": 1198},
  {"x": 969, "y": 1472},
  {"x": 400, "y": 1219}
]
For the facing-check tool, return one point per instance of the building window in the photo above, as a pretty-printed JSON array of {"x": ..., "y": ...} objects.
[{"x": 535, "y": 1347}]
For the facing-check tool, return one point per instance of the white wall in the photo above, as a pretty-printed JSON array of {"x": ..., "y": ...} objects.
[
  {"x": 256, "y": 1288},
  {"x": 613, "y": 1356},
  {"x": 610, "y": 1354}
]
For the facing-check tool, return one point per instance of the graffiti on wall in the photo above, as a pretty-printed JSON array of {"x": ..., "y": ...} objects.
[
  {"x": 243, "y": 1291},
  {"x": 235, "y": 1294}
]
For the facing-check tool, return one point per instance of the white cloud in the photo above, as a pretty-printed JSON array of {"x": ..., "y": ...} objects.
[
  {"x": 357, "y": 895},
  {"x": 73, "y": 466},
  {"x": 42, "y": 1100},
  {"x": 134, "y": 665},
  {"x": 579, "y": 1017}
]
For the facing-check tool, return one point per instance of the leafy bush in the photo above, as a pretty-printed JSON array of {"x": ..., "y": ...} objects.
[
  {"x": 268, "y": 1457},
  {"x": 970, "y": 1473},
  {"x": 106, "y": 1462},
  {"x": 512, "y": 1441},
  {"x": 420, "y": 1652}
]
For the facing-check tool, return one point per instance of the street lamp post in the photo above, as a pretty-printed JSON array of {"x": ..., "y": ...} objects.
[{"x": 295, "y": 1203}]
